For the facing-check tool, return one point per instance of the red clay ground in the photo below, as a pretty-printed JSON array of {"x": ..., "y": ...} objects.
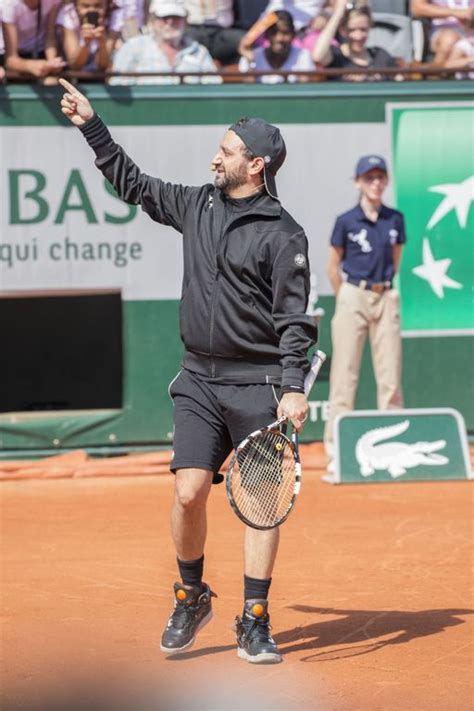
[{"x": 371, "y": 601}]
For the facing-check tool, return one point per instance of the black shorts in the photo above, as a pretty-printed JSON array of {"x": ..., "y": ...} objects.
[{"x": 210, "y": 419}]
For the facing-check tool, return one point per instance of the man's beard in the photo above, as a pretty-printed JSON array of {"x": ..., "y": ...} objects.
[{"x": 231, "y": 181}]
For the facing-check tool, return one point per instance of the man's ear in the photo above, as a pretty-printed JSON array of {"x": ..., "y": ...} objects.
[{"x": 256, "y": 166}]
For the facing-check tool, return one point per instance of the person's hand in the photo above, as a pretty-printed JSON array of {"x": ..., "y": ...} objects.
[
  {"x": 99, "y": 33},
  {"x": 247, "y": 53},
  {"x": 466, "y": 16},
  {"x": 42, "y": 67},
  {"x": 75, "y": 105},
  {"x": 56, "y": 65},
  {"x": 39, "y": 68},
  {"x": 88, "y": 32},
  {"x": 294, "y": 406}
]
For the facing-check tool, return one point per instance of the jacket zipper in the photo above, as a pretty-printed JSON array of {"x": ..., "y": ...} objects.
[
  {"x": 211, "y": 326},
  {"x": 230, "y": 221}
]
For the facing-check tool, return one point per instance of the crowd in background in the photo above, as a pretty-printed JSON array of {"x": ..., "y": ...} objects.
[{"x": 168, "y": 41}]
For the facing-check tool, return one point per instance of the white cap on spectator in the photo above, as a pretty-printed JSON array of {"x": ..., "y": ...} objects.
[{"x": 166, "y": 8}]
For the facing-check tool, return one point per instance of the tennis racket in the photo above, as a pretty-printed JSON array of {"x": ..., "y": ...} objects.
[{"x": 264, "y": 475}]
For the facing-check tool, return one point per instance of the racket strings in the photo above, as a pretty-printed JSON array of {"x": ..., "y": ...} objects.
[
  {"x": 263, "y": 478},
  {"x": 266, "y": 488}
]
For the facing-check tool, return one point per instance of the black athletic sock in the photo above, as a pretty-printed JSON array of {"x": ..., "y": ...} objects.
[
  {"x": 255, "y": 588},
  {"x": 191, "y": 570}
]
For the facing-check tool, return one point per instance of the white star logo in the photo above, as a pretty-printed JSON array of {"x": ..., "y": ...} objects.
[
  {"x": 458, "y": 196},
  {"x": 434, "y": 271}
]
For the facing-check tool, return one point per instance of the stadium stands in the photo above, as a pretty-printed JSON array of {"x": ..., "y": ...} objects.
[
  {"x": 395, "y": 29},
  {"x": 393, "y": 33},
  {"x": 396, "y": 7}
]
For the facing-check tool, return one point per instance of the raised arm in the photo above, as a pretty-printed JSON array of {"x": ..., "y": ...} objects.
[
  {"x": 163, "y": 202},
  {"x": 76, "y": 54},
  {"x": 107, "y": 43},
  {"x": 257, "y": 29},
  {"x": 321, "y": 53}
]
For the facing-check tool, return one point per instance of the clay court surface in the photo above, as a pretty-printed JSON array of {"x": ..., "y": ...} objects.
[{"x": 371, "y": 601}]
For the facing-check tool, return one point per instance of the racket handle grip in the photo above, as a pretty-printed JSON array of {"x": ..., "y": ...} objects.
[{"x": 316, "y": 363}]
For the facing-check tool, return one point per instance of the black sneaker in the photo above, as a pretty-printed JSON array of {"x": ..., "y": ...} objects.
[
  {"x": 255, "y": 643},
  {"x": 192, "y": 610}
]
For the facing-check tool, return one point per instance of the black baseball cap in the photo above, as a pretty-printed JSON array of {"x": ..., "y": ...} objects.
[
  {"x": 264, "y": 141},
  {"x": 367, "y": 163}
]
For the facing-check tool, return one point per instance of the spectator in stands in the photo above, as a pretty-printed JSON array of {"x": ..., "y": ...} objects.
[
  {"x": 451, "y": 21},
  {"x": 303, "y": 12},
  {"x": 280, "y": 55},
  {"x": 89, "y": 31},
  {"x": 354, "y": 24},
  {"x": 164, "y": 49},
  {"x": 210, "y": 22},
  {"x": 308, "y": 38},
  {"x": 29, "y": 48},
  {"x": 256, "y": 36}
]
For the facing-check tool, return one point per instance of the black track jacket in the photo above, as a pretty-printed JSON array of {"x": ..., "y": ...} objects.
[{"x": 246, "y": 280}]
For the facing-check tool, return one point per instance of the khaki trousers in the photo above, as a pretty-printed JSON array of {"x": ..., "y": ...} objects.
[{"x": 360, "y": 313}]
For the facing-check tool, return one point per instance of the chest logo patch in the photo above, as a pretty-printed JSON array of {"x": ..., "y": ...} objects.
[
  {"x": 360, "y": 238},
  {"x": 300, "y": 260}
]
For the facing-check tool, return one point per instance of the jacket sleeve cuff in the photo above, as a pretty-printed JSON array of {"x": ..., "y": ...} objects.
[
  {"x": 292, "y": 380},
  {"x": 95, "y": 132}
]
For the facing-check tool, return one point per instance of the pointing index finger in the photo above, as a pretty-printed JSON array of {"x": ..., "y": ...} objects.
[{"x": 71, "y": 89}]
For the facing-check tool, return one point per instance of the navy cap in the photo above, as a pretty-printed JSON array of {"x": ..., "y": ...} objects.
[
  {"x": 264, "y": 141},
  {"x": 367, "y": 163}
]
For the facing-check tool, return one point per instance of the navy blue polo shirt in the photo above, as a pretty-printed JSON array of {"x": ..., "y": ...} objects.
[{"x": 368, "y": 245}]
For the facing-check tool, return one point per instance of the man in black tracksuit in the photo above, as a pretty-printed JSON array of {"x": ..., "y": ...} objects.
[{"x": 246, "y": 336}]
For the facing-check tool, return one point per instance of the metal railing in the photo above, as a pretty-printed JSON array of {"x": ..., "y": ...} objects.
[{"x": 411, "y": 72}]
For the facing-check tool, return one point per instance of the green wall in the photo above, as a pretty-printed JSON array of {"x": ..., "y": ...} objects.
[{"x": 30, "y": 105}]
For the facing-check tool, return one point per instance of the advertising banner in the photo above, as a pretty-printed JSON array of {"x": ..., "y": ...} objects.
[
  {"x": 433, "y": 155},
  {"x": 400, "y": 445}
]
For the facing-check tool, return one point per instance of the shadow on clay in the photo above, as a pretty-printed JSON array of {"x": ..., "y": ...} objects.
[{"x": 361, "y": 631}]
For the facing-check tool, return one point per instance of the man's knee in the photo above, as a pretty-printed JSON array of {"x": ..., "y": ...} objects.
[{"x": 192, "y": 488}]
